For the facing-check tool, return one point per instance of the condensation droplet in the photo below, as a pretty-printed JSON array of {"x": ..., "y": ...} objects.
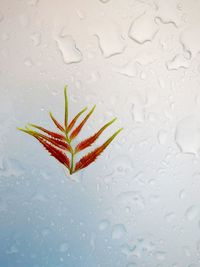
[
  {"x": 69, "y": 50},
  {"x": 5, "y": 37},
  {"x": 118, "y": 231},
  {"x": 143, "y": 28},
  {"x": 12, "y": 250},
  {"x": 178, "y": 62},
  {"x": 64, "y": 247},
  {"x": 192, "y": 213},
  {"x": 36, "y": 38},
  {"x": 28, "y": 63},
  {"x": 104, "y": 1},
  {"x": 130, "y": 199},
  {"x": 131, "y": 264},
  {"x": 103, "y": 225},
  {"x": 190, "y": 40},
  {"x": 1, "y": 17},
  {"x": 80, "y": 14},
  {"x": 187, "y": 134},
  {"x": 182, "y": 194},
  {"x": 169, "y": 217},
  {"x": 160, "y": 255},
  {"x": 24, "y": 20},
  {"x": 162, "y": 137},
  {"x": 33, "y": 2},
  {"x": 109, "y": 39},
  {"x": 187, "y": 251},
  {"x": 129, "y": 69}
]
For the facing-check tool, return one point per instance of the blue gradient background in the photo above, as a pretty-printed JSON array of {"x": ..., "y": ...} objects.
[{"x": 138, "y": 204}]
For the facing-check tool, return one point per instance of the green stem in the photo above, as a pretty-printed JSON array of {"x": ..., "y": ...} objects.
[
  {"x": 72, "y": 162},
  {"x": 71, "y": 170}
]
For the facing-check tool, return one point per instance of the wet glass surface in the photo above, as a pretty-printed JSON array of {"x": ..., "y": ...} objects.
[{"x": 138, "y": 205}]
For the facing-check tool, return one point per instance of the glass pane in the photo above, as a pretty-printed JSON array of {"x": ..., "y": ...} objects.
[{"x": 138, "y": 204}]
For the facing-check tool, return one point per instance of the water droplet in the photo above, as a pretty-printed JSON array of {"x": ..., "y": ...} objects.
[
  {"x": 162, "y": 137},
  {"x": 137, "y": 112},
  {"x": 129, "y": 69},
  {"x": 118, "y": 231},
  {"x": 187, "y": 135},
  {"x": 1, "y": 17},
  {"x": 12, "y": 250},
  {"x": 5, "y": 37},
  {"x": 104, "y": 1},
  {"x": 130, "y": 199},
  {"x": 160, "y": 255},
  {"x": 143, "y": 246},
  {"x": 190, "y": 40},
  {"x": 36, "y": 38},
  {"x": 192, "y": 213},
  {"x": 143, "y": 28},
  {"x": 131, "y": 264},
  {"x": 80, "y": 14},
  {"x": 168, "y": 13},
  {"x": 3, "y": 205},
  {"x": 146, "y": 58},
  {"x": 127, "y": 250},
  {"x": 69, "y": 50},
  {"x": 109, "y": 39},
  {"x": 33, "y": 2},
  {"x": 182, "y": 194},
  {"x": 169, "y": 217},
  {"x": 178, "y": 62},
  {"x": 103, "y": 225},
  {"x": 64, "y": 247},
  {"x": 11, "y": 167},
  {"x": 198, "y": 246},
  {"x": 24, "y": 20},
  {"x": 45, "y": 232},
  {"x": 187, "y": 251},
  {"x": 28, "y": 63}
]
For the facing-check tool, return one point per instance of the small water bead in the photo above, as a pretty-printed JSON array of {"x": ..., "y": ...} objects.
[
  {"x": 118, "y": 231},
  {"x": 69, "y": 50},
  {"x": 36, "y": 38},
  {"x": 103, "y": 225},
  {"x": 192, "y": 213}
]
